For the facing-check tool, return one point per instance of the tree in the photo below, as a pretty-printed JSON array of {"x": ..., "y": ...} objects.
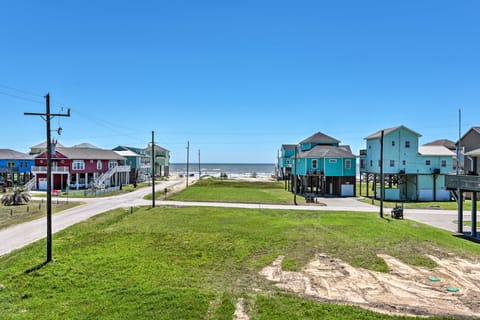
[{"x": 17, "y": 197}]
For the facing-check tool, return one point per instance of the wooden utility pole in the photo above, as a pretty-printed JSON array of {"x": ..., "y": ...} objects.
[
  {"x": 47, "y": 116},
  {"x": 188, "y": 156},
  {"x": 153, "y": 169}
]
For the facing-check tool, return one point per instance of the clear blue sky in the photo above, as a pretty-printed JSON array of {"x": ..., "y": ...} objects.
[{"x": 237, "y": 78}]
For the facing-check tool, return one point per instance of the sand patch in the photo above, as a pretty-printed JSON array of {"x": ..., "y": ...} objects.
[
  {"x": 405, "y": 290},
  {"x": 240, "y": 313}
]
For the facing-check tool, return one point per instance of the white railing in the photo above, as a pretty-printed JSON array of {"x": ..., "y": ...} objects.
[
  {"x": 30, "y": 184},
  {"x": 109, "y": 173},
  {"x": 43, "y": 169}
]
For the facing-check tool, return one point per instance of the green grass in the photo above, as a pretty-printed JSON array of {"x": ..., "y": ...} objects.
[
  {"x": 194, "y": 263},
  {"x": 12, "y": 215},
  {"x": 237, "y": 191}
]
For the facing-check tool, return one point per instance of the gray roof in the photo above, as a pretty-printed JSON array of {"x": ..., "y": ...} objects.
[
  {"x": 85, "y": 145},
  {"x": 442, "y": 142},
  {"x": 320, "y": 151},
  {"x": 9, "y": 154},
  {"x": 157, "y": 148},
  {"x": 89, "y": 154},
  {"x": 320, "y": 138},
  {"x": 43, "y": 145},
  {"x": 435, "y": 151},
  {"x": 378, "y": 134}
]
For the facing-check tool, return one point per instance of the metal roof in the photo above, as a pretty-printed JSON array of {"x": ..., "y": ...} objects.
[
  {"x": 435, "y": 151},
  {"x": 89, "y": 154}
]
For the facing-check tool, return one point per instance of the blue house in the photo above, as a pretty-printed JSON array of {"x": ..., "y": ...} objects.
[
  {"x": 15, "y": 167},
  {"x": 411, "y": 172},
  {"x": 321, "y": 165}
]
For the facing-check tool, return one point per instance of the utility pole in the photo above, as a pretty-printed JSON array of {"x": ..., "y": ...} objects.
[
  {"x": 47, "y": 116},
  {"x": 382, "y": 177},
  {"x": 199, "y": 167},
  {"x": 153, "y": 169},
  {"x": 188, "y": 156}
]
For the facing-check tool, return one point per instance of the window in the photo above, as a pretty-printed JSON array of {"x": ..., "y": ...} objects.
[
  {"x": 362, "y": 163},
  {"x": 407, "y": 144},
  {"x": 371, "y": 163},
  {"x": 392, "y": 163},
  {"x": 78, "y": 165},
  {"x": 444, "y": 163},
  {"x": 427, "y": 162},
  {"x": 11, "y": 164},
  {"x": 393, "y": 143},
  {"x": 314, "y": 164},
  {"x": 404, "y": 163},
  {"x": 332, "y": 160},
  {"x": 112, "y": 164},
  {"x": 379, "y": 163},
  {"x": 99, "y": 164},
  {"x": 348, "y": 164}
]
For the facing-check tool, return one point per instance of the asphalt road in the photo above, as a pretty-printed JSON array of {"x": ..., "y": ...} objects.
[{"x": 21, "y": 235}]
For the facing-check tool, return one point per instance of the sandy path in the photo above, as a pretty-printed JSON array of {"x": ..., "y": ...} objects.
[{"x": 405, "y": 290}]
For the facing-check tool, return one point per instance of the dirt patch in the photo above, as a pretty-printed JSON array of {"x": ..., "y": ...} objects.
[
  {"x": 240, "y": 313},
  {"x": 405, "y": 290}
]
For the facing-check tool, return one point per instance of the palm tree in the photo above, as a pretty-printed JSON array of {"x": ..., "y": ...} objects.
[{"x": 17, "y": 197}]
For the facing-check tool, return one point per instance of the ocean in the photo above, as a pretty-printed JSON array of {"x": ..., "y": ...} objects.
[{"x": 233, "y": 170}]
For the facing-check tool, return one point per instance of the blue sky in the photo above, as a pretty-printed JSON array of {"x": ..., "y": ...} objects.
[{"x": 237, "y": 78}]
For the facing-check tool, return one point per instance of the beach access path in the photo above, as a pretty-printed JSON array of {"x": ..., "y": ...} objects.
[{"x": 18, "y": 236}]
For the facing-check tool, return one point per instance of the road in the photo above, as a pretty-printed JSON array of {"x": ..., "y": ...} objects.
[{"x": 23, "y": 234}]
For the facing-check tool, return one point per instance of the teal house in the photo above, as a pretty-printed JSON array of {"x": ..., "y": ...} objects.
[
  {"x": 320, "y": 165},
  {"x": 138, "y": 160},
  {"x": 162, "y": 159},
  {"x": 411, "y": 172},
  {"x": 284, "y": 165}
]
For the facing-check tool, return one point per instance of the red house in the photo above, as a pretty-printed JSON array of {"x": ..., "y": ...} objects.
[{"x": 77, "y": 168}]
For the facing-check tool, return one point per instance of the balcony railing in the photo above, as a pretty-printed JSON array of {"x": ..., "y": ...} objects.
[{"x": 43, "y": 169}]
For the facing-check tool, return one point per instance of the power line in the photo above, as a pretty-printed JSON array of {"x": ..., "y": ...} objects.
[{"x": 20, "y": 98}]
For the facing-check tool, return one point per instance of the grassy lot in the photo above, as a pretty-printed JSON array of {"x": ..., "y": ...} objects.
[
  {"x": 194, "y": 263},
  {"x": 237, "y": 191},
  {"x": 11, "y": 215}
]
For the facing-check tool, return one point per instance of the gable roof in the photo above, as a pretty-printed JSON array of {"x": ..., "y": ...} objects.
[
  {"x": 127, "y": 153},
  {"x": 378, "y": 134},
  {"x": 320, "y": 151},
  {"x": 320, "y": 137},
  {"x": 435, "y": 151},
  {"x": 157, "y": 148},
  {"x": 9, "y": 154},
  {"x": 84, "y": 145},
  {"x": 43, "y": 145},
  {"x": 88, "y": 154}
]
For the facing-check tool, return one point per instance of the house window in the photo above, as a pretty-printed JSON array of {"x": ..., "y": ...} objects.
[
  {"x": 78, "y": 165},
  {"x": 393, "y": 143},
  {"x": 348, "y": 164},
  {"x": 362, "y": 163},
  {"x": 407, "y": 144},
  {"x": 112, "y": 164},
  {"x": 314, "y": 164},
  {"x": 392, "y": 163},
  {"x": 404, "y": 163},
  {"x": 444, "y": 163},
  {"x": 332, "y": 160},
  {"x": 11, "y": 164},
  {"x": 427, "y": 162},
  {"x": 371, "y": 163},
  {"x": 379, "y": 163},
  {"x": 99, "y": 165}
]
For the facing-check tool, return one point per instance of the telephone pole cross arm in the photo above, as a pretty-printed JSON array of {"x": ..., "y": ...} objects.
[{"x": 47, "y": 116}]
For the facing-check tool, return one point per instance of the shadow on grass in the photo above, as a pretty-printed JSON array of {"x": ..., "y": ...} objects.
[{"x": 37, "y": 267}]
